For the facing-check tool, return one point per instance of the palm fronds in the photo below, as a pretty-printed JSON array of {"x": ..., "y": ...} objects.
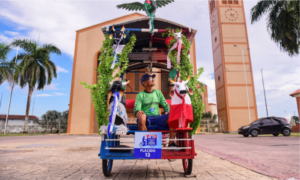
[
  {"x": 6, "y": 68},
  {"x": 35, "y": 67},
  {"x": 282, "y": 22}
]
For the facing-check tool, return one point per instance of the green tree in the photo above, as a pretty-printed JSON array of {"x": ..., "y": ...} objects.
[
  {"x": 64, "y": 120},
  {"x": 209, "y": 120},
  {"x": 50, "y": 119},
  {"x": 296, "y": 118},
  {"x": 282, "y": 22},
  {"x": 6, "y": 68},
  {"x": 35, "y": 68}
]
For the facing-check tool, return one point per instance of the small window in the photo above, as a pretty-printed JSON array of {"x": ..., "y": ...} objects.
[
  {"x": 235, "y": 1},
  {"x": 137, "y": 80},
  {"x": 219, "y": 78},
  {"x": 275, "y": 122},
  {"x": 229, "y": 1},
  {"x": 215, "y": 39},
  {"x": 224, "y": 2},
  {"x": 267, "y": 122}
]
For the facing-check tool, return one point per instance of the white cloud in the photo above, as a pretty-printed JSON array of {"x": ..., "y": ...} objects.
[
  {"x": 11, "y": 33},
  {"x": 53, "y": 94},
  {"x": 60, "y": 69},
  {"x": 59, "y": 94},
  {"x": 44, "y": 95},
  {"x": 52, "y": 86},
  {"x": 4, "y": 38}
]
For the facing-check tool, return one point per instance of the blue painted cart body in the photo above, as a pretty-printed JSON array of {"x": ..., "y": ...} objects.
[{"x": 112, "y": 149}]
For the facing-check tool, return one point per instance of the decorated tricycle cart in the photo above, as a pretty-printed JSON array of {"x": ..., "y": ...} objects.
[{"x": 134, "y": 48}]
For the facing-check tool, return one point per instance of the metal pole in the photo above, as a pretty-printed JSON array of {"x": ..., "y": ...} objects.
[
  {"x": 264, "y": 92},
  {"x": 246, "y": 82},
  {"x": 11, "y": 90}
]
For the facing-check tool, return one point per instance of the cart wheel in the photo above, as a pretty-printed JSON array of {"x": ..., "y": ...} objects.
[
  {"x": 107, "y": 166},
  {"x": 187, "y": 166}
]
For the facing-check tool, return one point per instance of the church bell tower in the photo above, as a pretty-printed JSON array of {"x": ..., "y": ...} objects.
[{"x": 236, "y": 103}]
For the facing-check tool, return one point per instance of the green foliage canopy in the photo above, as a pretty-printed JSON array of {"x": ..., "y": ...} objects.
[
  {"x": 186, "y": 68},
  {"x": 296, "y": 118},
  {"x": 54, "y": 118},
  {"x": 6, "y": 68},
  {"x": 35, "y": 67},
  {"x": 105, "y": 75},
  {"x": 282, "y": 22}
]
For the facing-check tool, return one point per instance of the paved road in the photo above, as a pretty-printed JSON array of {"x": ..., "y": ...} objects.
[
  {"x": 75, "y": 157},
  {"x": 34, "y": 138},
  {"x": 274, "y": 156}
]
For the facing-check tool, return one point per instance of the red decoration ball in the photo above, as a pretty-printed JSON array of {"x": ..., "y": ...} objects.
[{"x": 168, "y": 41}]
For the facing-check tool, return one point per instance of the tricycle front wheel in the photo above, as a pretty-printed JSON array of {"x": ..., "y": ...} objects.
[
  {"x": 107, "y": 166},
  {"x": 187, "y": 166}
]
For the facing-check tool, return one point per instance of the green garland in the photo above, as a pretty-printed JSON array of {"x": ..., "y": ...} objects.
[
  {"x": 99, "y": 90},
  {"x": 186, "y": 68}
]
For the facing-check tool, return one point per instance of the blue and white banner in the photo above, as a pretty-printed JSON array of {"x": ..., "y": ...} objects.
[{"x": 147, "y": 145}]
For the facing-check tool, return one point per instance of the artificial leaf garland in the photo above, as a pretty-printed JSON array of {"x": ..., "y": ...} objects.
[
  {"x": 105, "y": 75},
  {"x": 186, "y": 68}
]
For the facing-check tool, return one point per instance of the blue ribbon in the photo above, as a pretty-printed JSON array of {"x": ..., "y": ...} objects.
[{"x": 116, "y": 96}]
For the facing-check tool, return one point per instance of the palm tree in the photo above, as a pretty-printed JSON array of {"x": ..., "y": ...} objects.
[
  {"x": 35, "y": 68},
  {"x": 282, "y": 22},
  {"x": 50, "y": 120},
  {"x": 6, "y": 68},
  {"x": 209, "y": 120}
]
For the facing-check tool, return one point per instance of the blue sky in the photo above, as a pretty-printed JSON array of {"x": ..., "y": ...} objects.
[
  {"x": 57, "y": 21},
  {"x": 54, "y": 96}
]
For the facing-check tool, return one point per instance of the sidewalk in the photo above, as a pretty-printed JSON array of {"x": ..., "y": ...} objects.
[{"x": 76, "y": 158}]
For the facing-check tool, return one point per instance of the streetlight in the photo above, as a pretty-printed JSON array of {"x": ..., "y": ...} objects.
[
  {"x": 245, "y": 79},
  {"x": 11, "y": 90},
  {"x": 264, "y": 92}
]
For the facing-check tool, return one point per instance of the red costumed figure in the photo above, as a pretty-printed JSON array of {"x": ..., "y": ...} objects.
[{"x": 181, "y": 112}]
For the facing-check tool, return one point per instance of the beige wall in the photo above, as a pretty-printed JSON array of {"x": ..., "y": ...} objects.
[
  {"x": 229, "y": 66},
  {"x": 88, "y": 44},
  {"x": 234, "y": 33},
  {"x": 235, "y": 74},
  {"x": 212, "y": 108},
  {"x": 237, "y": 96},
  {"x": 240, "y": 117},
  {"x": 221, "y": 98}
]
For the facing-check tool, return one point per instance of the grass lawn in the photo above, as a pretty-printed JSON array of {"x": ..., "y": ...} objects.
[
  {"x": 21, "y": 134},
  {"x": 295, "y": 134}
]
